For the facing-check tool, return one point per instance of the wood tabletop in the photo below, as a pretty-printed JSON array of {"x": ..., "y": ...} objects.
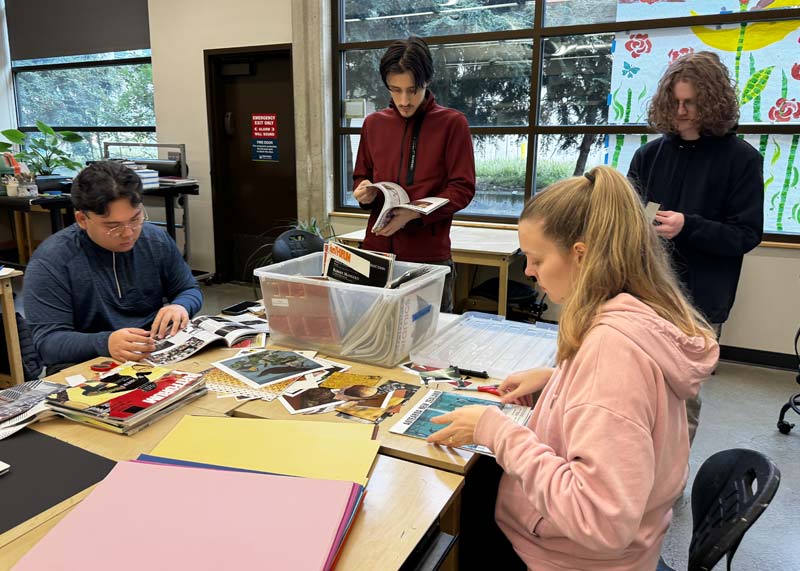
[{"x": 467, "y": 239}]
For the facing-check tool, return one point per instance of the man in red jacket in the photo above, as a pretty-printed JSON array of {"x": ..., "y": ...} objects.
[{"x": 423, "y": 147}]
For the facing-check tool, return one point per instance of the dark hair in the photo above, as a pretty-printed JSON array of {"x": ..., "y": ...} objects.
[
  {"x": 408, "y": 55},
  {"x": 102, "y": 183},
  {"x": 717, "y": 106}
]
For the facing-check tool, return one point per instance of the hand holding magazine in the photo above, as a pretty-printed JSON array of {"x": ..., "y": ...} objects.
[{"x": 394, "y": 196}]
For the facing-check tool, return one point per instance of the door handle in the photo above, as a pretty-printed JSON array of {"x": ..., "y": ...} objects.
[{"x": 229, "y": 123}]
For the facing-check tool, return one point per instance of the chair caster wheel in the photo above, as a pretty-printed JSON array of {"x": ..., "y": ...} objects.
[{"x": 784, "y": 427}]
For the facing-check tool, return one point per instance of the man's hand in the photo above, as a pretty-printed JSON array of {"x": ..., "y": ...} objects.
[
  {"x": 130, "y": 344},
  {"x": 363, "y": 194},
  {"x": 398, "y": 218},
  {"x": 523, "y": 383},
  {"x": 461, "y": 426},
  {"x": 669, "y": 224},
  {"x": 169, "y": 320}
]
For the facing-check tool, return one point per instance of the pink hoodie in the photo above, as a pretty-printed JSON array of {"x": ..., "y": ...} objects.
[{"x": 590, "y": 482}]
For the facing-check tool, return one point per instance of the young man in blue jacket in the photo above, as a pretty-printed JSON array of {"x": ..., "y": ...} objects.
[{"x": 110, "y": 284}]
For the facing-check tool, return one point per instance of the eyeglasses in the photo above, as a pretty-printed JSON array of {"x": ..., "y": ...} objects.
[{"x": 119, "y": 229}]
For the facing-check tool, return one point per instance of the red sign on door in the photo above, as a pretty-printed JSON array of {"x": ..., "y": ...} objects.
[{"x": 265, "y": 125}]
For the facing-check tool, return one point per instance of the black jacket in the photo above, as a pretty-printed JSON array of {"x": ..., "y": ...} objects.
[{"x": 717, "y": 183}]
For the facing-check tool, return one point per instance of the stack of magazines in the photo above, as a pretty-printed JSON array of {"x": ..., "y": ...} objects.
[
  {"x": 128, "y": 398},
  {"x": 23, "y": 404}
]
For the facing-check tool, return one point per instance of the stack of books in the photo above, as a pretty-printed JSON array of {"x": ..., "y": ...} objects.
[
  {"x": 176, "y": 180},
  {"x": 128, "y": 398},
  {"x": 149, "y": 178}
]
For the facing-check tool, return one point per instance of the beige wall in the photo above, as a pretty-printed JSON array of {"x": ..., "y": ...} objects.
[{"x": 179, "y": 32}]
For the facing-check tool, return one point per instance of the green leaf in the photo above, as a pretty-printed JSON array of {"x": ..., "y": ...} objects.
[
  {"x": 619, "y": 110},
  {"x": 14, "y": 136},
  {"x": 768, "y": 182},
  {"x": 756, "y": 84},
  {"x": 4, "y": 147},
  {"x": 46, "y": 129},
  {"x": 784, "y": 84},
  {"x": 795, "y": 177},
  {"x": 777, "y": 154},
  {"x": 70, "y": 136},
  {"x": 772, "y": 200},
  {"x": 794, "y": 211},
  {"x": 642, "y": 93}
]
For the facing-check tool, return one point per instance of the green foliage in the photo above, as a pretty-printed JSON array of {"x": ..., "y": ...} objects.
[
  {"x": 756, "y": 84},
  {"x": 43, "y": 154},
  {"x": 509, "y": 173},
  {"x": 549, "y": 171}
]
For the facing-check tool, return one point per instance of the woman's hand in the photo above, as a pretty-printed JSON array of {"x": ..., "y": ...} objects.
[
  {"x": 523, "y": 383},
  {"x": 461, "y": 426}
]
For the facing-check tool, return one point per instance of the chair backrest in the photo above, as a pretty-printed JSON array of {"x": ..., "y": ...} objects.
[
  {"x": 731, "y": 490},
  {"x": 295, "y": 243}
]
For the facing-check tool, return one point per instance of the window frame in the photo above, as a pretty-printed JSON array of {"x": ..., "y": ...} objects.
[
  {"x": 79, "y": 65},
  {"x": 533, "y": 130}
]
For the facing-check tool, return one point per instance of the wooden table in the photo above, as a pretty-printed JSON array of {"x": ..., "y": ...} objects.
[
  {"x": 474, "y": 247},
  {"x": 10, "y": 328},
  {"x": 403, "y": 502}
]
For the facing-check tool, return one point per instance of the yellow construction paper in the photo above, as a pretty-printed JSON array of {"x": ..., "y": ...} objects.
[{"x": 310, "y": 449}]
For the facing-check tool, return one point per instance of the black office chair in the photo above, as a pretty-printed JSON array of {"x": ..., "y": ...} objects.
[
  {"x": 731, "y": 490},
  {"x": 295, "y": 243},
  {"x": 784, "y": 426}
]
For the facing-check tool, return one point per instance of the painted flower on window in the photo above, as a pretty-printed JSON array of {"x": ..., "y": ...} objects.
[
  {"x": 675, "y": 54},
  {"x": 796, "y": 71},
  {"x": 785, "y": 110},
  {"x": 638, "y": 44}
]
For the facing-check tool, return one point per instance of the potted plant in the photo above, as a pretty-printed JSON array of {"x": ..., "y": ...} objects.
[{"x": 43, "y": 154}]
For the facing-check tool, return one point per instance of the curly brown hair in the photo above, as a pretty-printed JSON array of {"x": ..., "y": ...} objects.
[{"x": 717, "y": 105}]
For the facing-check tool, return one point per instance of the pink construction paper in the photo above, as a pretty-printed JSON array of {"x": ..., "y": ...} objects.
[{"x": 149, "y": 516}]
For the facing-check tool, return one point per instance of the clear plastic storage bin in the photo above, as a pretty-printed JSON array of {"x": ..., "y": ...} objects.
[{"x": 373, "y": 325}]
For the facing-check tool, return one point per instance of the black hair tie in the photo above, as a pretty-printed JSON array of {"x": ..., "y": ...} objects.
[{"x": 589, "y": 176}]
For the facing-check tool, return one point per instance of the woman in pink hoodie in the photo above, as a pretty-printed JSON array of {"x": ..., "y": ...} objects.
[{"x": 590, "y": 482}]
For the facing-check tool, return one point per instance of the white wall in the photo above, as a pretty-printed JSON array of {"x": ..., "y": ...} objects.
[{"x": 179, "y": 32}]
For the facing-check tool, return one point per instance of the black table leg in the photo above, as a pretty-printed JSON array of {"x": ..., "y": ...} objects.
[{"x": 169, "y": 211}]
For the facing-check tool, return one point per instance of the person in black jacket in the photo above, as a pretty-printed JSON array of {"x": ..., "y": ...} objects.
[{"x": 708, "y": 182}]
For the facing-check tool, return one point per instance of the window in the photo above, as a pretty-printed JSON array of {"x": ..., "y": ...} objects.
[
  {"x": 103, "y": 97},
  {"x": 552, "y": 88}
]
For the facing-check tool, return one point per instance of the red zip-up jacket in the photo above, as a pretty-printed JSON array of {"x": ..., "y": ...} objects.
[{"x": 444, "y": 166}]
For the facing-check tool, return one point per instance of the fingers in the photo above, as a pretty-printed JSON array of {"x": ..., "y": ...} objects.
[
  {"x": 157, "y": 323},
  {"x": 180, "y": 323},
  {"x": 444, "y": 436},
  {"x": 443, "y": 419}
]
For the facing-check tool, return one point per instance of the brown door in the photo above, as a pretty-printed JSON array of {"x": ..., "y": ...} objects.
[{"x": 251, "y": 124}]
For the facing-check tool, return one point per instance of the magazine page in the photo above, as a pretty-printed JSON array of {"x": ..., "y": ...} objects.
[
  {"x": 425, "y": 205},
  {"x": 230, "y": 328},
  {"x": 393, "y": 196},
  {"x": 417, "y": 422},
  {"x": 263, "y": 368},
  {"x": 181, "y": 346},
  {"x": 19, "y": 399}
]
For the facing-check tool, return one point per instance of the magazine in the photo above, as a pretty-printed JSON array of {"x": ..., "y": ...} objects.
[
  {"x": 204, "y": 330},
  {"x": 127, "y": 396},
  {"x": 23, "y": 404},
  {"x": 352, "y": 265},
  {"x": 395, "y": 196},
  {"x": 267, "y": 367},
  {"x": 417, "y": 422}
]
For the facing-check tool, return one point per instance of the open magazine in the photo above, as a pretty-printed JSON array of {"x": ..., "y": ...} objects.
[
  {"x": 23, "y": 404},
  {"x": 417, "y": 422},
  {"x": 395, "y": 196},
  {"x": 204, "y": 330}
]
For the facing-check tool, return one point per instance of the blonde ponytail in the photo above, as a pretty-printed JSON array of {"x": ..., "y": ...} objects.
[{"x": 623, "y": 253}]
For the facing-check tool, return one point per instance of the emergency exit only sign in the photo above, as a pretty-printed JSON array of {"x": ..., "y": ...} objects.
[{"x": 265, "y": 126}]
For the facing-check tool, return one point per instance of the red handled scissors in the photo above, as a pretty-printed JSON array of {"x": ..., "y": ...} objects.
[
  {"x": 103, "y": 366},
  {"x": 463, "y": 385}
]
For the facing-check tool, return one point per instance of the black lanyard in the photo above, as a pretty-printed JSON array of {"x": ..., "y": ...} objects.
[{"x": 412, "y": 155}]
